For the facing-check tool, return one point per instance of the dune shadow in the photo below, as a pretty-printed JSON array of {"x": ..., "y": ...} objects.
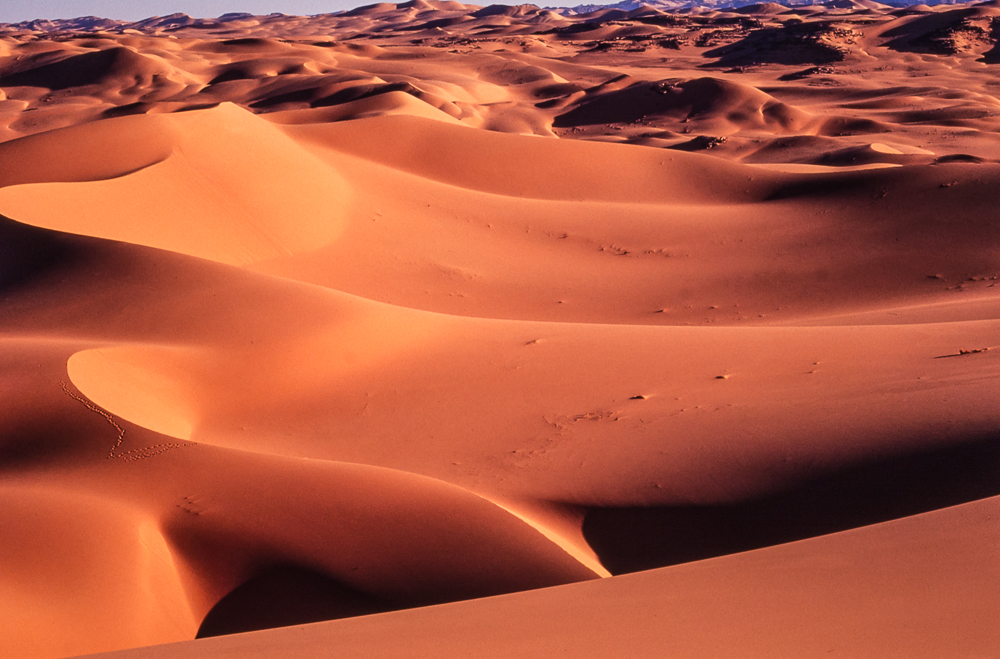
[
  {"x": 821, "y": 42},
  {"x": 992, "y": 56},
  {"x": 286, "y": 595},
  {"x": 26, "y": 252},
  {"x": 78, "y": 70},
  {"x": 634, "y": 539}
]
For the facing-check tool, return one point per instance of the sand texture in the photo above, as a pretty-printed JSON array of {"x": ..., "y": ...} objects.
[{"x": 466, "y": 331}]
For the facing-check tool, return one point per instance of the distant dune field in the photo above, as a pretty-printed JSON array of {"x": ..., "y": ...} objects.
[{"x": 502, "y": 332}]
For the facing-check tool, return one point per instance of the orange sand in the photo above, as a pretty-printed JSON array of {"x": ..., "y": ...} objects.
[{"x": 425, "y": 306}]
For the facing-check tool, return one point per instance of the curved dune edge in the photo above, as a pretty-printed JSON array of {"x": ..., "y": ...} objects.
[
  {"x": 134, "y": 383},
  {"x": 915, "y": 586},
  {"x": 559, "y": 526},
  {"x": 397, "y": 535},
  {"x": 388, "y": 104},
  {"x": 527, "y": 167},
  {"x": 125, "y": 145},
  {"x": 405, "y": 538},
  {"x": 233, "y": 188},
  {"x": 136, "y": 392}
]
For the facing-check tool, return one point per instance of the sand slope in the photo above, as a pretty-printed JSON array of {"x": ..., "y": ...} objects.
[
  {"x": 416, "y": 305},
  {"x": 847, "y": 593}
]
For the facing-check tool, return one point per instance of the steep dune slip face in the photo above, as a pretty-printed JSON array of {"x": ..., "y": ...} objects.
[{"x": 501, "y": 331}]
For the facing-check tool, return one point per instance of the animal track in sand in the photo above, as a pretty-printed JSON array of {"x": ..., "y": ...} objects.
[
  {"x": 562, "y": 421},
  {"x": 190, "y": 505},
  {"x": 128, "y": 456},
  {"x": 962, "y": 353}
]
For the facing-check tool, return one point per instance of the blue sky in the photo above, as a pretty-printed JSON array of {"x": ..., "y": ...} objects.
[{"x": 12, "y": 11}]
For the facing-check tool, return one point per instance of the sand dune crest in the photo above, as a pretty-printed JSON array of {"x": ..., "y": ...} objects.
[{"x": 234, "y": 189}]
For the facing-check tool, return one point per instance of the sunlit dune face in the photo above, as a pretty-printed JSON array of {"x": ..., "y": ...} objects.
[{"x": 619, "y": 331}]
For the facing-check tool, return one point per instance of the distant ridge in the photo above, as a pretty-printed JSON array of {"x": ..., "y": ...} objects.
[
  {"x": 91, "y": 23},
  {"x": 690, "y": 5},
  {"x": 179, "y": 21}
]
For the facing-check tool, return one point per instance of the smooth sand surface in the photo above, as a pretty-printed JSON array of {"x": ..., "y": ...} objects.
[
  {"x": 861, "y": 593},
  {"x": 465, "y": 331}
]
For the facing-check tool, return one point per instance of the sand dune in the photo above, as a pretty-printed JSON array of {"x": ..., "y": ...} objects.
[
  {"x": 233, "y": 189},
  {"x": 424, "y": 306},
  {"x": 861, "y": 593}
]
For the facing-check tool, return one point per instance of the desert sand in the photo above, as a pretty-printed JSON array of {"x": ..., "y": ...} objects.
[{"x": 439, "y": 330}]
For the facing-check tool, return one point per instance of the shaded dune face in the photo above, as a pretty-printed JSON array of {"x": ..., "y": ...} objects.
[
  {"x": 633, "y": 539},
  {"x": 114, "y": 65},
  {"x": 809, "y": 43},
  {"x": 282, "y": 596},
  {"x": 25, "y": 252},
  {"x": 702, "y": 98},
  {"x": 456, "y": 314}
]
